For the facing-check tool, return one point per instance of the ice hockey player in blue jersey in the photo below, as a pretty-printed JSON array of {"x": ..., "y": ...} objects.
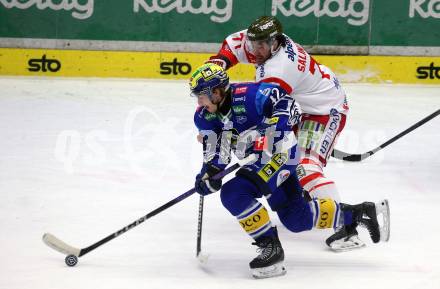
[{"x": 257, "y": 118}]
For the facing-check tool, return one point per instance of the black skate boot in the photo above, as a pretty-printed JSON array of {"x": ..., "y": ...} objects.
[
  {"x": 345, "y": 238},
  {"x": 365, "y": 214},
  {"x": 270, "y": 262}
]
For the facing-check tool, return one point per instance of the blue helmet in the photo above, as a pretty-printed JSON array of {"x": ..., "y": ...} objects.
[{"x": 206, "y": 78}]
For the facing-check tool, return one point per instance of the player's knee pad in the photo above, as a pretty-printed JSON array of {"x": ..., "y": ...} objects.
[
  {"x": 289, "y": 190},
  {"x": 312, "y": 179},
  {"x": 297, "y": 217},
  {"x": 237, "y": 195}
]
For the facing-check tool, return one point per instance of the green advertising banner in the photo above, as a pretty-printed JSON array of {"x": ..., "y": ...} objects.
[
  {"x": 406, "y": 23},
  {"x": 310, "y": 22}
]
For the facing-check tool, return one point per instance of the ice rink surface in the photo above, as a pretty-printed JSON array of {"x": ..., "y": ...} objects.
[{"x": 84, "y": 158}]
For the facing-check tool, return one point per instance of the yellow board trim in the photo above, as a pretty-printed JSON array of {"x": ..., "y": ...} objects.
[
  {"x": 167, "y": 65},
  {"x": 77, "y": 63}
]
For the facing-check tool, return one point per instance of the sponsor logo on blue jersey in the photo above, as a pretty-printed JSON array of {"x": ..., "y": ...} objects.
[
  {"x": 241, "y": 119},
  {"x": 239, "y": 109},
  {"x": 210, "y": 116},
  {"x": 239, "y": 99},
  {"x": 240, "y": 90}
]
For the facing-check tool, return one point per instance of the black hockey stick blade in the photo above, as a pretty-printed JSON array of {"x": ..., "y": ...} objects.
[
  {"x": 359, "y": 157},
  {"x": 340, "y": 155}
]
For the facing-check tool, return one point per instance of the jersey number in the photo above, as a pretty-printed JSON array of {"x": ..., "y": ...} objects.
[
  {"x": 240, "y": 38},
  {"x": 312, "y": 69}
]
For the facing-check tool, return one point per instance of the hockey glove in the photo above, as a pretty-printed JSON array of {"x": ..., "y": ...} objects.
[
  {"x": 218, "y": 61},
  {"x": 205, "y": 186}
]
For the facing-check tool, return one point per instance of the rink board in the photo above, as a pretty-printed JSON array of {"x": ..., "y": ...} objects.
[{"x": 167, "y": 65}]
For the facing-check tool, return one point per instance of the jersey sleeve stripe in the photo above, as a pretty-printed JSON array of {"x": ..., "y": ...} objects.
[
  {"x": 284, "y": 85},
  {"x": 226, "y": 53},
  {"x": 281, "y": 113}
]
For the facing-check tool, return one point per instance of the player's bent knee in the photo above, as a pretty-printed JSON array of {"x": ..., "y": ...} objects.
[
  {"x": 227, "y": 196},
  {"x": 236, "y": 195},
  {"x": 296, "y": 220}
]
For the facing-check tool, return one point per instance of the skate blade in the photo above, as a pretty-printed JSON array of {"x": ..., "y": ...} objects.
[
  {"x": 383, "y": 208},
  {"x": 353, "y": 243},
  {"x": 269, "y": 271}
]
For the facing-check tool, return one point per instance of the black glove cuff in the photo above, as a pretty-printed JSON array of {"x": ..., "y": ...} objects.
[{"x": 212, "y": 170}]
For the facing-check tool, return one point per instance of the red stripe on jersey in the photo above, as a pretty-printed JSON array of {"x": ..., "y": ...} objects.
[
  {"x": 304, "y": 181},
  {"x": 320, "y": 185},
  {"x": 280, "y": 82},
  {"x": 305, "y": 161},
  {"x": 239, "y": 39},
  {"x": 226, "y": 52}
]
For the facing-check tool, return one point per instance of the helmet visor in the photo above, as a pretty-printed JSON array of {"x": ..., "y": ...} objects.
[
  {"x": 260, "y": 46},
  {"x": 197, "y": 94}
]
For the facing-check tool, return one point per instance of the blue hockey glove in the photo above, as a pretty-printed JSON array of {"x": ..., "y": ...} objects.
[{"x": 205, "y": 186}]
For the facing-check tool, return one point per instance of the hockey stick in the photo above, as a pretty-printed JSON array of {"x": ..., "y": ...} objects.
[
  {"x": 62, "y": 247},
  {"x": 359, "y": 157},
  {"x": 200, "y": 256}
]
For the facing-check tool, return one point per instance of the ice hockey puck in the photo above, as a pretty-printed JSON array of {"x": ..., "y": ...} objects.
[{"x": 71, "y": 260}]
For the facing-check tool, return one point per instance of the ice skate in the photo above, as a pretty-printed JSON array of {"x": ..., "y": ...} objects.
[
  {"x": 344, "y": 239},
  {"x": 270, "y": 262},
  {"x": 366, "y": 215},
  {"x": 383, "y": 208}
]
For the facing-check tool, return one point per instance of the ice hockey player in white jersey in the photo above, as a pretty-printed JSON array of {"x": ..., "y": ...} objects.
[{"x": 278, "y": 59}]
